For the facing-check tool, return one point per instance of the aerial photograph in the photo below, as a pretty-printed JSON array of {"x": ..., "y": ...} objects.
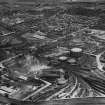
[{"x": 52, "y": 52}]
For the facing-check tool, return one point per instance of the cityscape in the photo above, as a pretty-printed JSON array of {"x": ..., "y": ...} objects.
[{"x": 52, "y": 52}]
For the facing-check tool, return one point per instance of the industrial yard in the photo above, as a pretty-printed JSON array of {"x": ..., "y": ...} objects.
[{"x": 52, "y": 53}]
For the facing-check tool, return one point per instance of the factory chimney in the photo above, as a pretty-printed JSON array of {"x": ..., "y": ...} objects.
[{"x": 11, "y": 3}]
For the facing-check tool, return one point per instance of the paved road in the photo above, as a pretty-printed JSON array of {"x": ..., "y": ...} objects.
[
  {"x": 78, "y": 101},
  {"x": 75, "y": 101}
]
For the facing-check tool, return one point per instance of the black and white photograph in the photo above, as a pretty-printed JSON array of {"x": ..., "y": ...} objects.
[{"x": 52, "y": 52}]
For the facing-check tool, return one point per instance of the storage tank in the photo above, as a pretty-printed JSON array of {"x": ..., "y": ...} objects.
[{"x": 76, "y": 52}]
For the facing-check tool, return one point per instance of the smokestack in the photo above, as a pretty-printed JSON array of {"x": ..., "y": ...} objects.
[{"x": 11, "y": 3}]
